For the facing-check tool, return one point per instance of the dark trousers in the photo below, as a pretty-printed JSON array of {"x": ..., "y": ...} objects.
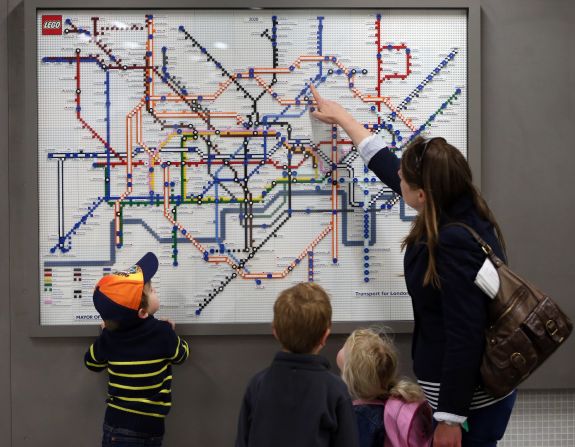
[
  {"x": 487, "y": 425},
  {"x": 121, "y": 437}
]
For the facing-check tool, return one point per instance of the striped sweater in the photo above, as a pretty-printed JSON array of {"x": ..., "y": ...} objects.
[{"x": 139, "y": 363}]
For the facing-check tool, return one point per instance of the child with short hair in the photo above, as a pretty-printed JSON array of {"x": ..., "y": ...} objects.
[
  {"x": 138, "y": 351},
  {"x": 297, "y": 401},
  {"x": 368, "y": 362}
]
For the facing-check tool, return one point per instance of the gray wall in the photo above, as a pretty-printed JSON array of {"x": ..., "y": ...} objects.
[
  {"x": 47, "y": 398},
  {"x": 5, "y": 342},
  {"x": 528, "y": 75}
]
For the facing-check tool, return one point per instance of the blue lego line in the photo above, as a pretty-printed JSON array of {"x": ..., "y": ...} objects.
[
  {"x": 75, "y": 263},
  {"x": 222, "y": 229},
  {"x": 431, "y": 118},
  {"x": 257, "y": 168},
  {"x": 108, "y": 104},
  {"x": 216, "y": 206},
  {"x": 282, "y": 114},
  {"x": 402, "y": 213},
  {"x": 263, "y": 209},
  {"x": 72, "y": 231},
  {"x": 70, "y": 60},
  {"x": 422, "y": 84},
  {"x": 320, "y": 43},
  {"x": 218, "y": 170}
]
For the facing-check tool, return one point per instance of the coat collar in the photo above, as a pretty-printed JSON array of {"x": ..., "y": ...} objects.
[
  {"x": 306, "y": 361},
  {"x": 457, "y": 211}
]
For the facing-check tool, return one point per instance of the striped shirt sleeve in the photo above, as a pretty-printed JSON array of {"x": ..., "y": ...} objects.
[
  {"x": 94, "y": 359},
  {"x": 181, "y": 353}
]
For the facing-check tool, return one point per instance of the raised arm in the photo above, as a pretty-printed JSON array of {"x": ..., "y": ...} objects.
[
  {"x": 375, "y": 155},
  {"x": 182, "y": 351},
  {"x": 95, "y": 358},
  {"x": 331, "y": 112}
]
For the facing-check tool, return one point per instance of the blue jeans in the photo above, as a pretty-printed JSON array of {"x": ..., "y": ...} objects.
[
  {"x": 121, "y": 437},
  {"x": 487, "y": 425}
]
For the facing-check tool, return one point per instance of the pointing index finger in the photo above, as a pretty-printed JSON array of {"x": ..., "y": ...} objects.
[{"x": 315, "y": 93}]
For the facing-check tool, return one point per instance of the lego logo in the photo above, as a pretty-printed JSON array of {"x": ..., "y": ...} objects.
[{"x": 52, "y": 25}]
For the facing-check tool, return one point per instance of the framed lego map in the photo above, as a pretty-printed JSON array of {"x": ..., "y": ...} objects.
[{"x": 187, "y": 132}]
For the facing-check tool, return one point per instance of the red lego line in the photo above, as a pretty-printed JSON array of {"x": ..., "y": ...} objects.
[{"x": 379, "y": 62}]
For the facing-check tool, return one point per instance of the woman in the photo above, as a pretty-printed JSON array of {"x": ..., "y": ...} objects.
[{"x": 441, "y": 263}]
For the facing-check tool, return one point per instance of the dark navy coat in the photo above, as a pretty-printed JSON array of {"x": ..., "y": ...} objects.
[{"x": 448, "y": 338}]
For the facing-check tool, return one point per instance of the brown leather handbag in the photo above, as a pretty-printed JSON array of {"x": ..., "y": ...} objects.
[{"x": 525, "y": 328}]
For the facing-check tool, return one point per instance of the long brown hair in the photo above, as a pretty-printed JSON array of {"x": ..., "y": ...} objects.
[{"x": 442, "y": 172}]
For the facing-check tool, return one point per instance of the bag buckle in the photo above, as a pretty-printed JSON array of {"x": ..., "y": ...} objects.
[
  {"x": 518, "y": 360},
  {"x": 552, "y": 329},
  {"x": 486, "y": 249}
]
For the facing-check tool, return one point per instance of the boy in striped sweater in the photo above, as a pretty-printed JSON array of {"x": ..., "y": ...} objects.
[{"x": 138, "y": 351}]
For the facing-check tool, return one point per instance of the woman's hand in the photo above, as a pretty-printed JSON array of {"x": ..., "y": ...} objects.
[
  {"x": 327, "y": 111},
  {"x": 447, "y": 436},
  {"x": 331, "y": 112}
]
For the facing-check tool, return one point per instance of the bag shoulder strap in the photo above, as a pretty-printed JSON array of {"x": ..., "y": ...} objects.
[{"x": 484, "y": 245}]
